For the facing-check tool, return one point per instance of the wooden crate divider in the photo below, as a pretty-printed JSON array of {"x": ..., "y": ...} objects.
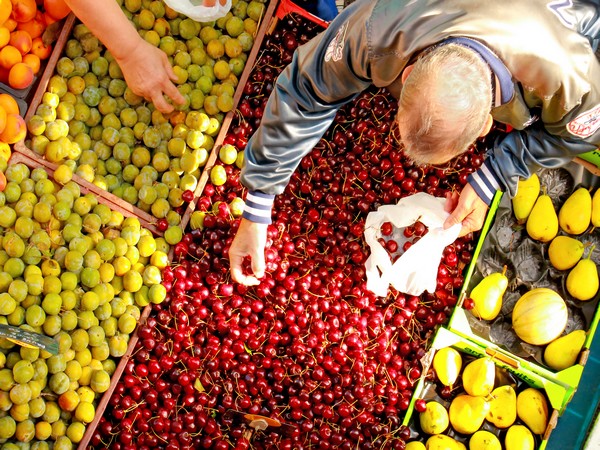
[{"x": 214, "y": 154}]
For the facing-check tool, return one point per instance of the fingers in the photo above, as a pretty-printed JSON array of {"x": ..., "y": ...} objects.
[
  {"x": 451, "y": 201},
  {"x": 258, "y": 265},
  {"x": 238, "y": 275}
]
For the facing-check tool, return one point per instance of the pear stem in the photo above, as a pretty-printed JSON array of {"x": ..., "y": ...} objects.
[
  {"x": 504, "y": 270},
  {"x": 589, "y": 256}
]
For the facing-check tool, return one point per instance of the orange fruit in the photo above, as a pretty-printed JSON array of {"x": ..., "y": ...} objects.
[
  {"x": 23, "y": 10},
  {"x": 57, "y": 8},
  {"x": 9, "y": 104},
  {"x": 2, "y": 119},
  {"x": 35, "y": 27},
  {"x": 39, "y": 49},
  {"x": 15, "y": 129},
  {"x": 20, "y": 76},
  {"x": 49, "y": 19},
  {"x": 11, "y": 24},
  {"x": 2, "y": 181},
  {"x": 9, "y": 56},
  {"x": 5, "y": 10},
  {"x": 4, "y": 36},
  {"x": 32, "y": 61},
  {"x": 21, "y": 40}
]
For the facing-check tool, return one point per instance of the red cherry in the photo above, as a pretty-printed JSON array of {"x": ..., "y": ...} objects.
[
  {"x": 468, "y": 303},
  {"x": 420, "y": 405}
]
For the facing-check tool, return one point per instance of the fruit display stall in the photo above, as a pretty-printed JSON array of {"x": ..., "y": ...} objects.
[{"x": 123, "y": 329}]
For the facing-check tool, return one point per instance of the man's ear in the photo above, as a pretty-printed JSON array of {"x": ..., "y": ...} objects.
[
  {"x": 488, "y": 125},
  {"x": 406, "y": 72}
]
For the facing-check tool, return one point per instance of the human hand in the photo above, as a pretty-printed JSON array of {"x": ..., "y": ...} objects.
[
  {"x": 250, "y": 240},
  {"x": 149, "y": 74},
  {"x": 467, "y": 209}
]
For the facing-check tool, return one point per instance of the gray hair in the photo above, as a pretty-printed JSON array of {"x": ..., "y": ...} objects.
[{"x": 444, "y": 104}]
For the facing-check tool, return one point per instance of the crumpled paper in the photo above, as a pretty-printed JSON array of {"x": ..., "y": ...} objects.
[
  {"x": 195, "y": 10},
  {"x": 416, "y": 270}
]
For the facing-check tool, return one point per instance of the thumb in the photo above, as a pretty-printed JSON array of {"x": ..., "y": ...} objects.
[{"x": 456, "y": 217}]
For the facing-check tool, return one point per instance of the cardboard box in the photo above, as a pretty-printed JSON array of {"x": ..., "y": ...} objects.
[
  {"x": 498, "y": 245},
  {"x": 556, "y": 394}
]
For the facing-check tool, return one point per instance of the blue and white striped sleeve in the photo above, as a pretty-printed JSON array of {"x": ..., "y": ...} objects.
[
  {"x": 485, "y": 182},
  {"x": 258, "y": 207}
]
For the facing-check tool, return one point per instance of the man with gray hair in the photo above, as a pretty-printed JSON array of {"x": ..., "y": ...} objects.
[{"x": 456, "y": 66}]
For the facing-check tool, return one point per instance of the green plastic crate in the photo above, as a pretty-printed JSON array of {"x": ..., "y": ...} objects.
[
  {"x": 557, "y": 395},
  {"x": 467, "y": 325}
]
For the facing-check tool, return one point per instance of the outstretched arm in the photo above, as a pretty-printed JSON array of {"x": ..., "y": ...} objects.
[{"x": 146, "y": 68}]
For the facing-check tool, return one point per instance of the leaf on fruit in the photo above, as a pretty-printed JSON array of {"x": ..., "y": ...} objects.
[
  {"x": 51, "y": 33},
  {"x": 198, "y": 385}
]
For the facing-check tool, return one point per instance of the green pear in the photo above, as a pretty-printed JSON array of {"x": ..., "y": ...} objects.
[
  {"x": 542, "y": 223},
  {"x": 467, "y": 413},
  {"x": 479, "y": 377},
  {"x": 564, "y": 252},
  {"x": 527, "y": 193},
  {"x": 447, "y": 363},
  {"x": 503, "y": 406},
  {"x": 563, "y": 352},
  {"x": 575, "y": 214},
  {"x": 434, "y": 420},
  {"x": 582, "y": 281},
  {"x": 487, "y": 295}
]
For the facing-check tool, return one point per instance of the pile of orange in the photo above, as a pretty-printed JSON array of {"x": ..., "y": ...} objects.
[
  {"x": 22, "y": 48},
  {"x": 12, "y": 126}
]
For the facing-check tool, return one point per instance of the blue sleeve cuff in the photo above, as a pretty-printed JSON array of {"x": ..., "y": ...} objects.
[
  {"x": 485, "y": 182},
  {"x": 258, "y": 207}
]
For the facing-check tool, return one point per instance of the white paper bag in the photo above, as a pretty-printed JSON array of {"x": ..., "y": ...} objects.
[
  {"x": 195, "y": 10},
  {"x": 416, "y": 270}
]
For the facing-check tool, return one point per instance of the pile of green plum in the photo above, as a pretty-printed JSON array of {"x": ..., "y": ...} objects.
[
  {"x": 120, "y": 142},
  {"x": 74, "y": 270}
]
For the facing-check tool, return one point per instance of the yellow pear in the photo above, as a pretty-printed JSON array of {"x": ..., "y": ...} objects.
[
  {"x": 596, "y": 209},
  {"x": 527, "y": 193},
  {"x": 484, "y": 440},
  {"x": 542, "y": 223},
  {"x": 564, "y": 252},
  {"x": 563, "y": 352},
  {"x": 532, "y": 409},
  {"x": 479, "y": 377},
  {"x": 575, "y": 214},
  {"x": 415, "y": 445},
  {"x": 487, "y": 295},
  {"x": 434, "y": 419},
  {"x": 518, "y": 437},
  {"x": 447, "y": 363},
  {"x": 467, "y": 413},
  {"x": 582, "y": 281},
  {"x": 443, "y": 442},
  {"x": 503, "y": 406}
]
